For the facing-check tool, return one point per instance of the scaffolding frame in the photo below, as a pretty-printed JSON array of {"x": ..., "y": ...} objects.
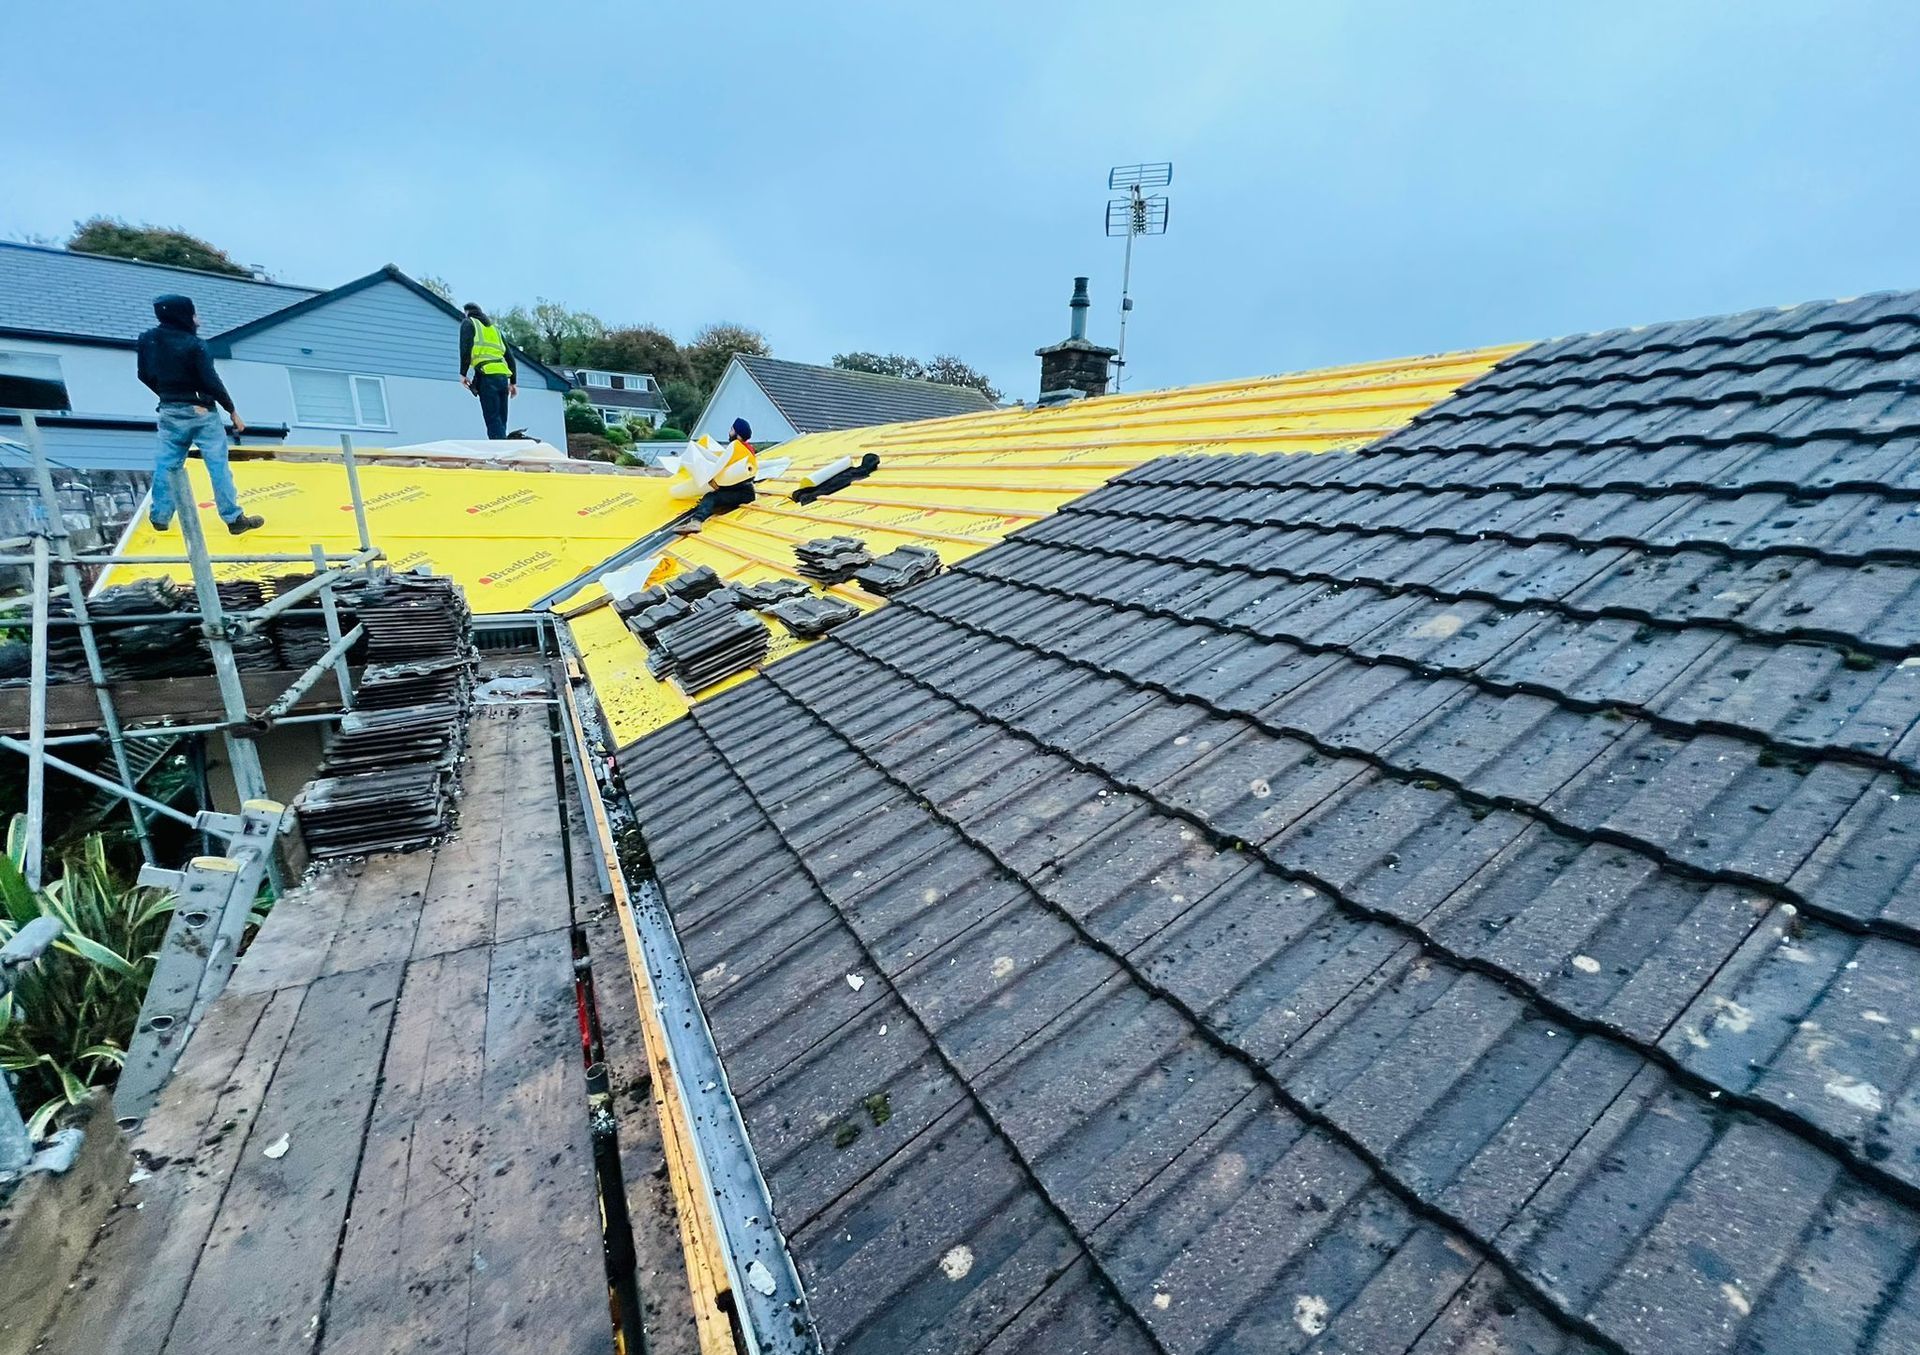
[{"x": 52, "y": 547}]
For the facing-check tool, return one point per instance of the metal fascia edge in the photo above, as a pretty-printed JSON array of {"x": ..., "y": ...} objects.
[{"x": 775, "y": 1319}]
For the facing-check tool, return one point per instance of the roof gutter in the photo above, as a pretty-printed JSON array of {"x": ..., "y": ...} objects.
[{"x": 768, "y": 1301}]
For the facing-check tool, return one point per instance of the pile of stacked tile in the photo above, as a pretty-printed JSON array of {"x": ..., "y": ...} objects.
[
  {"x": 832, "y": 559},
  {"x": 713, "y": 643},
  {"x": 418, "y": 682},
  {"x": 387, "y": 780},
  {"x": 411, "y": 616},
  {"x": 137, "y": 650},
  {"x": 899, "y": 569},
  {"x": 253, "y": 651},
  {"x": 652, "y": 609},
  {"x": 762, "y": 596},
  {"x": 300, "y": 640},
  {"x": 812, "y": 615}
]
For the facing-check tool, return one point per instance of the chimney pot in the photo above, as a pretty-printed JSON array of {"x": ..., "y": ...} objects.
[{"x": 1079, "y": 307}]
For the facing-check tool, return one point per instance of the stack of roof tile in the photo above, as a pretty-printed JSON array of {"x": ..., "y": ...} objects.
[
  {"x": 386, "y": 782},
  {"x": 1462, "y": 894},
  {"x": 299, "y": 641},
  {"x": 139, "y": 650},
  {"x": 710, "y": 645},
  {"x": 648, "y": 610},
  {"x": 813, "y": 615},
  {"x": 831, "y": 559},
  {"x": 899, "y": 569},
  {"x": 410, "y": 616},
  {"x": 761, "y": 596},
  {"x": 253, "y": 651},
  {"x": 444, "y": 681}
]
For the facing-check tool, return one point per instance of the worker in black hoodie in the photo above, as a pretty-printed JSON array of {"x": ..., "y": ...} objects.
[{"x": 175, "y": 365}]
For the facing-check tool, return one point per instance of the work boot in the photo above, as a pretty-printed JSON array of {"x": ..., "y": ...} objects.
[
  {"x": 158, "y": 525},
  {"x": 245, "y": 523}
]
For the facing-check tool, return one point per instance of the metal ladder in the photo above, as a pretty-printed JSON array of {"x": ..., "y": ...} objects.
[{"x": 213, "y": 897}]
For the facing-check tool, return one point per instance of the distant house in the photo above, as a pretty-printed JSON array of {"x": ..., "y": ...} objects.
[
  {"x": 621, "y": 397},
  {"x": 375, "y": 358},
  {"x": 785, "y": 399}
]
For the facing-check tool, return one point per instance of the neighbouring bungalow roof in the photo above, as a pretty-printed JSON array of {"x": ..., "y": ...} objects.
[
  {"x": 1460, "y": 894},
  {"x": 821, "y": 399},
  {"x": 60, "y": 294}
]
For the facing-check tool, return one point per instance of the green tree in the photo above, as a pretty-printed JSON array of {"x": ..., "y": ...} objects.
[
  {"x": 947, "y": 370},
  {"x": 153, "y": 244},
  {"x": 944, "y": 370},
  {"x": 551, "y": 332},
  {"x": 714, "y": 345},
  {"x": 516, "y": 326},
  {"x": 619, "y": 435},
  {"x": 684, "y": 402},
  {"x": 645, "y": 349},
  {"x": 881, "y": 364},
  {"x": 581, "y": 416}
]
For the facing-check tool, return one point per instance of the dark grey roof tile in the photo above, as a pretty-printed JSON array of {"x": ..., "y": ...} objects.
[
  {"x": 1843, "y": 1286},
  {"x": 1718, "y": 1245},
  {"x": 1868, "y": 865},
  {"x": 999, "y": 985},
  {"x": 1074, "y": 1315},
  {"x": 1486, "y": 1315},
  {"x": 872, "y": 1263},
  {"x": 1119, "y": 1088}
]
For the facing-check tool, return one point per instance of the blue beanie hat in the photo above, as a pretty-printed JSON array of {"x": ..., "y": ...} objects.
[{"x": 743, "y": 430}]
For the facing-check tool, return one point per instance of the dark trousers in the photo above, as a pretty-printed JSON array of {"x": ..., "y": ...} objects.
[
  {"x": 492, "y": 390},
  {"x": 723, "y": 499}
]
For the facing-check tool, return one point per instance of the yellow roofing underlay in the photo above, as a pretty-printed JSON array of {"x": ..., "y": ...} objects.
[
  {"x": 507, "y": 536},
  {"x": 962, "y": 484}
]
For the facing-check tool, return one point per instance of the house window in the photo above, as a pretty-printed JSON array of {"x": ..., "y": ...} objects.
[
  {"x": 613, "y": 416},
  {"x": 32, "y": 380},
  {"x": 338, "y": 399}
]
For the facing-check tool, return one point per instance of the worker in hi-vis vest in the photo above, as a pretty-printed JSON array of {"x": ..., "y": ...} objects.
[
  {"x": 732, "y": 483},
  {"x": 486, "y": 369}
]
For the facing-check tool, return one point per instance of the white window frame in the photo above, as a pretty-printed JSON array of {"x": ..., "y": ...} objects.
[{"x": 353, "y": 395}]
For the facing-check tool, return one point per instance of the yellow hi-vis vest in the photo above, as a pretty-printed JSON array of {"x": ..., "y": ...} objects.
[
  {"x": 740, "y": 466},
  {"x": 489, "y": 351}
]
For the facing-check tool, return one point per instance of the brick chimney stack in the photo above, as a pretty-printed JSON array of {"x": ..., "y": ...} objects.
[{"x": 1076, "y": 366}]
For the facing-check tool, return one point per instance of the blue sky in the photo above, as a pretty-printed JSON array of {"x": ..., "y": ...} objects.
[{"x": 1352, "y": 181}]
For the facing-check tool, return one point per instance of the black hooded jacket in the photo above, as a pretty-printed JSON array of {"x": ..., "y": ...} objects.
[{"x": 174, "y": 362}]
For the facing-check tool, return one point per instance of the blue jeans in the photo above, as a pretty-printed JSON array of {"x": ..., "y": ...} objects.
[
  {"x": 181, "y": 427},
  {"x": 492, "y": 390}
]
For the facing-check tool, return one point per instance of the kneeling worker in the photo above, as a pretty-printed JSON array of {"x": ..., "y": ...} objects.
[{"x": 732, "y": 483}]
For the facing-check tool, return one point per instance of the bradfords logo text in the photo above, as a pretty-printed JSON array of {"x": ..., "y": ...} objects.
[
  {"x": 267, "y": 493},
  {"x": 505, "y": 501},
  {"x": 514, "y": 569},
  {"x": 605, "y": 506},
  {"x": 405, "y": 494}
]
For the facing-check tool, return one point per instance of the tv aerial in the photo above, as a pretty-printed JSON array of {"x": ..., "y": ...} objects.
[{"x": 1135, "y": 214}]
